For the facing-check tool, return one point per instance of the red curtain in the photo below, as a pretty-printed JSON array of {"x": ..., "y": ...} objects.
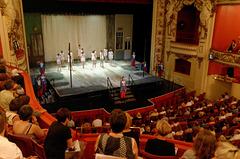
[{"x": 1, "y": 52}]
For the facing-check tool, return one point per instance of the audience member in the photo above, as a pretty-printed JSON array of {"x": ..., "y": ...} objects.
[
  {"x": 28, "y": 125},
  {"x": 236, "y": 135},
  {"x": 59, "y": 136},
  {"x": 160, "y": 146},
  {"x": 222, "y": 116},
  {"x": 226, "y": 95},
  {"x": 7, "y": 95},
  {"x": 71, "y": 122},
  {"x": 204, "y": 146},
  {"x": 97, "y": 122},
  {"x": 226, "y": 150},
  {"x": 147, "y": 130},
  {"x": 115, "y": 143},
  {"x": 232, "y": 46},
  {"x": 153, "y": 113},
  {"x": 12, "y": 114},
  {"x": 228, "y": 113},
  {"x": 179, "y": 131},
  {"x": 129, "y": 132},
  {"x": 162, "y": 111},
  {"x": 188, "y": 128}
]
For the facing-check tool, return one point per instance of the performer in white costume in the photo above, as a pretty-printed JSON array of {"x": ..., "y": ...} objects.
[
  {"x": 79, "y": 52},
  {"x": 69, "y": 63},
  {"x": 94, "y": 58},
  {"x": 101, "y": 59},
  {"x": 110, "y": 56},
  {"x": 105, "y": 54},
  {"x": 83, "y": 59},
  {"x": 62, "y": 58},
  {"x": 72, "y": 58},
  {"x": 58, "y": 62}
]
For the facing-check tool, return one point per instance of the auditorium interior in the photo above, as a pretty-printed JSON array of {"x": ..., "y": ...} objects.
[{"x": 197, "y": 41}]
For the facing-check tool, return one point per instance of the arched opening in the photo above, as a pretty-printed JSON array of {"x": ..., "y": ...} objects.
[
  {"x": 182, "y": 66},
  {"x": 187, "y": 25}
]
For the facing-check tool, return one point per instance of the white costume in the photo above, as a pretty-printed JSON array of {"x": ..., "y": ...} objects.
[
  {"x": 83, "y": 57},
  {"x": 72, "y": 56},
  {"x": 101, "y": 55},
  {"x": 110, "y": 53},
  {"x": 58, "y": 60},
  {"x": 105, "y": 52},
  {"x": 62, "y": 56},
  {"x": 79, "y": 52},
  {"x": 93, "y": 56},
  {"x": 68, "y": 58}
]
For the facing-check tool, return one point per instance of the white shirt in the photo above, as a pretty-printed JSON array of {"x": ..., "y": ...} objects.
[
  {"x": 9, "y": 150},
  {"x": 97, "y": 123}
]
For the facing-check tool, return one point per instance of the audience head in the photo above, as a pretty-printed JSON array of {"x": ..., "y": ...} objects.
[
  {"x": 226, "y": 150},
  {"x": 8, "y": 84},
  {"x": 222, "y": 138},
  {"x": 204, "y": 144},
  {"x": 129, "y": 121},
  {"x": 15, "y": 104},
  {"x": 163, "y": 127},
  {"x": 2, "y": 69},
  {"x": 25, "y": 112},
  {"x": 118, "y": 120},
  {"x": 63, "y": 114},
  {"x": 3, "y": 121}
]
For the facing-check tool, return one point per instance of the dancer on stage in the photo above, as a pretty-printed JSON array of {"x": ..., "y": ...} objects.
[
  {"x": 105, "y": 53},
  {"x": 62, "y": 58},
  {"x": 79, "y": 52},
  {"x": 160, "y": 69},
  {"x": 58, "y": 62},
  {"x": 41, "y": 67},
  {"x": 133, "y": 59},
  {"x": 69, "y": 62},
  {"x": 94, "y": 58},
  {"x": 83, "y": 59},
  {"x": 110, "y": 56},
  {"x": 101, "y": 59},
  {"x": 123, "y": 89},
  {"x": 72, "y": 58}
]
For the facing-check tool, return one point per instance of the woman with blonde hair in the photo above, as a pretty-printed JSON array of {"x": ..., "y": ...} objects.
[
  {"x": 226, "y": 150},
  {"x": 160, "y": 146},
  {"x": 204, "y": 146},
  {"x": 129, "y": 132}
]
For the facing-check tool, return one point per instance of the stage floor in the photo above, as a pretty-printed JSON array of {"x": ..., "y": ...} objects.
[{"x": 92, "y": 79}]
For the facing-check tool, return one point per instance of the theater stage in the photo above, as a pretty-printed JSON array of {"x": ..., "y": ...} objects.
[
  {"x": 89, "y": 89},
  {"x": 92, "y": 79}
]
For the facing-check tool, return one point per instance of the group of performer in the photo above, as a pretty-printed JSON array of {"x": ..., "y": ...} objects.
[{"x": 60, "y": 58}]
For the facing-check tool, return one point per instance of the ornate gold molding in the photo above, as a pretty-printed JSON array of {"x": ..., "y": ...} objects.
[
  {"x": 2, "y": 6},
  {"x": 227, "y": 2},
  {"x": 232, "y": 59}
]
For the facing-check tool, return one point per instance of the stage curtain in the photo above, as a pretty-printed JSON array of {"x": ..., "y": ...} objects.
[{"x": 60, "y": 30}]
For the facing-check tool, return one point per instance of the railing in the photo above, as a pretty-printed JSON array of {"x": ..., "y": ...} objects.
[
  {"x": 181, "y": 82},
  {"x": 109, "y": 86}
]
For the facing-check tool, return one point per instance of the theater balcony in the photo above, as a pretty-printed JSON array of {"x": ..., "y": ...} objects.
[
  {"x": 183, "y": 48},
  {"x": 226, "y": 58}
]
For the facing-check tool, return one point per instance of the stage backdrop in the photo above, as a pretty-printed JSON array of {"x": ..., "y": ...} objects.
[{"x": 59, "y": 30}]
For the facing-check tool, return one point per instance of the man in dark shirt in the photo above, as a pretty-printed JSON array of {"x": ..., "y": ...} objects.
[{"x": 59, "y": 136}]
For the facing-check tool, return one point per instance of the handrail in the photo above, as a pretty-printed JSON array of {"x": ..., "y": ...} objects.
[
  {"x": 131, "y": 82},
  {"x": 180, "y": 81},
  {"x": 109, "y": 86}
]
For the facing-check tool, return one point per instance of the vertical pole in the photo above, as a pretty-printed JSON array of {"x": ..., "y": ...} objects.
[
  {"x": 145, "y": 47},
  {"x": 70, "y": 58}
]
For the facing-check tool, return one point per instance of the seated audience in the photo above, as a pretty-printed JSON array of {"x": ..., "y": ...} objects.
[
  {"x": 226, "y": 150},
  {"x": 71, "y": 123},
  {"x": 179, "y": 131},
  {"x": 204, "y": 146},
  {"x": 86, "y": 123},
  {"x": 138, "y": 116},
  {"x": 228, "y": 113},
  {"x": 28, "y": 125},
  {"x": 160, "y": 146},
  {"x": 163, "y": 111},
  {"x": 232, "y": 46},
  {"x": 222, "y": 116},
  {"x": 7, "y": 95},
  {"x": 129, "y": 132},
  {"x": 59, "y": 136},
  {"x": 115, "y": 143},
  {"x": 226, "y": 95},
  {"x": 12, "y": 114},
  {"x": 8, "y": 150},
  {"x": 97, "y": 122},
  {"x": 188, "y": 128},
  {"x": 234, "y": 122},
  {"x": 236, "y": 135},
  {"x": 153, "y": 113},
  {"x": 196, "y": 125},
  {"x": 204, "y": 123},
  {"x": 147, "y": 130}
]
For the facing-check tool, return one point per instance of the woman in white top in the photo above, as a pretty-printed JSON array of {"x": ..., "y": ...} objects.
[
  {"x": 110, "y": 56},
  {"x": 101, "y": 58},
  {"x": 58, "y": 62},
  {"x": 83, "y": 59},
  {"x": 105, "y": 54},
  {"x": 79, "y": 52},
  {"x": 62, "y": 58},
  {"x": 94, "y": 58}
]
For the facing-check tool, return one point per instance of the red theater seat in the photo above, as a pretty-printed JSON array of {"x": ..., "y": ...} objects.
[{"x": 146, "y": 155}]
